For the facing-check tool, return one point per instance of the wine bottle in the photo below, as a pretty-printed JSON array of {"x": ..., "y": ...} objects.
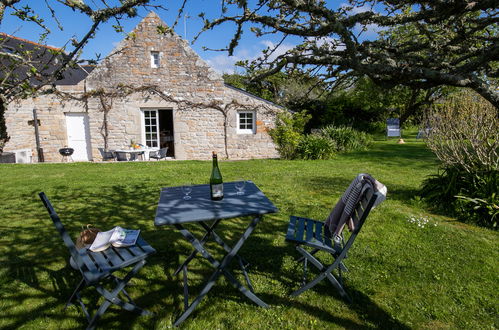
[{"x": 216, "y": 182}]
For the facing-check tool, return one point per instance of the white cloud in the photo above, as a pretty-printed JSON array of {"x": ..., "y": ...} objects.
[
  {"x": 223, "y": 63},
  {"x": 283, "y": 48}
]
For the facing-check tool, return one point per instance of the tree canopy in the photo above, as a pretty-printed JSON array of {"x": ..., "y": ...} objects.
[{"x": 420, "y": 44}]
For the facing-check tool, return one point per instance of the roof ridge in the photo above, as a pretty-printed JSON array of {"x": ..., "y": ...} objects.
[{"x": 30, "y": 42}]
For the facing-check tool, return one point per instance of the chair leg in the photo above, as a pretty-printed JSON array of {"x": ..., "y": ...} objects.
[
  {"x": 112, "y": 297},
  {"x": 325, "y": 273},
  {"x": 78, "y": 288}
]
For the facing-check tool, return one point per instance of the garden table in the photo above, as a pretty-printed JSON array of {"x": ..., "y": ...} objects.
[
  {"x": 176, "y": 211},
  {"x": 144, "y": 153}
]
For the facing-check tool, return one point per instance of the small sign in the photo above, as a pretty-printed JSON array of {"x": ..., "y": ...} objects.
[{"x": 32, "y": 122}]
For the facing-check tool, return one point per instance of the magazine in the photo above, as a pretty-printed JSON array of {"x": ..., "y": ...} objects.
[{"x": 117, "y": 237}]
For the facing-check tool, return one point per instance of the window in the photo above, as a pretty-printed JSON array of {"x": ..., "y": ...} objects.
[
  {"x": 246, "y": 122},
  {"x": 154, "y": 59},
  {"x": 151, "y": 128}
]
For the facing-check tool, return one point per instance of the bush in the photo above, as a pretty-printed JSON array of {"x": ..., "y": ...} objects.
[
  {"x": 288, "y": 132},
  {"x": 464, "y": 136},
  {"x": 315, "y": 146},
  {"x": 464, "y": 132},
  {"x": 347, "y": 139},
  {"x": 471, "y": 197}
]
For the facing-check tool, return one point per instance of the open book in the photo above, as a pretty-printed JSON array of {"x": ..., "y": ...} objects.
[{"x": 117, "y": 237}]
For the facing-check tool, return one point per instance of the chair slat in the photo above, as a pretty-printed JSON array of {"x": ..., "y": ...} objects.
[
  {"x": 319, "y": 225},
  {"x": 139, "y": 250},
  {"x": 145, "y": 246},
  {"x": 123, "y": 252},
  {"x": 101, "y": 260},
  {"x": 310, "y": 230},
  {"x": 291, "y": 234},
  {"x": 89, "y": 263},
  {"x": 301, "y": 227},
  {"x": 114, "y": 258}
]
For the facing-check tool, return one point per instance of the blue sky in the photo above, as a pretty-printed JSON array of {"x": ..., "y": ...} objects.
[{"x": 106, "y": 38}]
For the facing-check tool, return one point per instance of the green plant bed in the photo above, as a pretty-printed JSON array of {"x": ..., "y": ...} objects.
[{"x": 408, "y": 268}]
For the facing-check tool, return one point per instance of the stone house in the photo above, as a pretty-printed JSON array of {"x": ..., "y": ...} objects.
[{"x": 153, "y": 89}]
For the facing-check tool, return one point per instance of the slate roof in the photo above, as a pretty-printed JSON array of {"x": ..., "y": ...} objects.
[
  {"x": 253, "y": 96},
  {"x": 46, "y": 61}
]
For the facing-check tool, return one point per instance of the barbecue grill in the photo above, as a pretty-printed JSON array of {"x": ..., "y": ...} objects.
[{"x": 66, "y": 154}]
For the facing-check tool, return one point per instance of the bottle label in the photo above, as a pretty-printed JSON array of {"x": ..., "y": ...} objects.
[{"x": 217, "y": 190}]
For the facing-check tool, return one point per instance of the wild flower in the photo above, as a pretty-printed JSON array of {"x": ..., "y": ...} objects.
[{"x": 421, "y": 221}]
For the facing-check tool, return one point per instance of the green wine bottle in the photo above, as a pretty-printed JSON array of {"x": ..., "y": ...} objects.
[{"x": 216, "y": 182}]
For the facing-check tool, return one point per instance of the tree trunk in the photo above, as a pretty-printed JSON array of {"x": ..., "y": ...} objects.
[
  {"x": 489, "y": 93},
  {"x": 4, "y": 137}
]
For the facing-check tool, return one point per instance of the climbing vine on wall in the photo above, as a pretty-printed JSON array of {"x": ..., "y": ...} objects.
[{"x": 106, "y": 98}]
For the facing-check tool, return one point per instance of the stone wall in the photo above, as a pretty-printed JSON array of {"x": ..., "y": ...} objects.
[{"x": 203, "y": 107}]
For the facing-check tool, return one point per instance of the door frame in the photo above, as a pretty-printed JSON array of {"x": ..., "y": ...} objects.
[
  {"x": 86, "y": 127},
  {"x": 143, "y": 127}
]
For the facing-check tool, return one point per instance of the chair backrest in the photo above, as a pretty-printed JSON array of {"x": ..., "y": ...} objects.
[
  {"x": 162, "y": 152},
  {"x": 393, "y": 123},
  {"x": 105, "y": 154},
  {"x": 62, "y": 231},
  {"x": 360, "y": 213}
]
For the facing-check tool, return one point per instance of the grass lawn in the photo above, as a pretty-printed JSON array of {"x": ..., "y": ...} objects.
[{"x": 445, "y": 275}]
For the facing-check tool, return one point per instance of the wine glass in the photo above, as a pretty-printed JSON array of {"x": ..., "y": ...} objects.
[
  {"x": 187, "y": 189},
  {"x": 240, "y": 187}
]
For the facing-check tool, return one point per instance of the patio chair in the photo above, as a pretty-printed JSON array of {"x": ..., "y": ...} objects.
[
  {"x": 393, "y": 127},
  {"x": 106, "y": 154},
  {"x": 97, "y": 269},
  {"x": 121, "y": 156},
  {"x": 313, "y": 236},
  {"x": 159, "y": 154}
]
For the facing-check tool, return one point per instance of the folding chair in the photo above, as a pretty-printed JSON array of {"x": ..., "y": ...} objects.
[
  {"x": 106, "y": 154},
  {"x": 304, "y": 232},
  {"x": 97, "y": 269},
  {"x": 158, "y": 154}
]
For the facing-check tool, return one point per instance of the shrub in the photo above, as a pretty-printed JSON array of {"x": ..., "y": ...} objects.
[
  {"x": 288, "y": 132},
  {"x": 464, "y": 132},
  {"x": 315, "y": 146},
  {"x": 347, "y": 139},
  {"x": 471, "y": 197},
  {"x": 464, "y": 136}
]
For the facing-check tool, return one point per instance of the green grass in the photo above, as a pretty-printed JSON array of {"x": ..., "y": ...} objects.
[{"x": 401, "y": 275}]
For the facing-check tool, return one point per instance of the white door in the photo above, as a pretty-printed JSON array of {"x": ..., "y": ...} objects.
[{"x": 78, "y": 135}]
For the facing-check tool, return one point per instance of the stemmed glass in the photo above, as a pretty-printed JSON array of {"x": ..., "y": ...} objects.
[
  {"x": 187, "y": 189},
  {"x": 240, "y": 187}
]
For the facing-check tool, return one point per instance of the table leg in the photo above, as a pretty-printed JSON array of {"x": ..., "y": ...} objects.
[
  {"x": 194, "y": 252},
  {"x": 220, "y": 268},
  {"x": 220, "y": 242}
]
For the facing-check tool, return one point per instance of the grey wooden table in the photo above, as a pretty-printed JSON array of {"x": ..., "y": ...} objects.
[{"x": 200, "y": 209}]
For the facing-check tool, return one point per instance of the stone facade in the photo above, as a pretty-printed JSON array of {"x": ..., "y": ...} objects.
[{"x": 203, "y": 109}]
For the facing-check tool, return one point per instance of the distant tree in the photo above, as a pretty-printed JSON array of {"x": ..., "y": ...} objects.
[
  {"x": 23, "y": 73},
  {"x": 453, "y": 43},
  {"x": 281, "y": 88}
]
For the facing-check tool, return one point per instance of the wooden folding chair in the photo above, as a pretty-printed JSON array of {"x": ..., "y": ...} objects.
[
  {"x": 97, "y": 269},
  {"x": 316, "y": 236}
]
